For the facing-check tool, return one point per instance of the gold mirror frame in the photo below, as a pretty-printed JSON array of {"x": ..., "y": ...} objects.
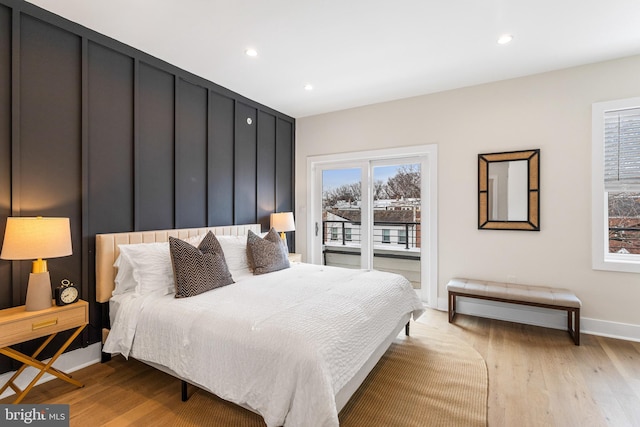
[{"x": 533, "y": 210}]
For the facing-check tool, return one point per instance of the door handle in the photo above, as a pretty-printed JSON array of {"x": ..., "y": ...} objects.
[{"x": 316, "y": 228}]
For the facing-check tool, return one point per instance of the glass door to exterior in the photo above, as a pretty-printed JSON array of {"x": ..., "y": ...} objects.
[
  {"x": 396, "y": 210},
  {"x": 342, "y": 217},
  {"x": 376, "y": 210},
  {"x": 371, "y": 216}
]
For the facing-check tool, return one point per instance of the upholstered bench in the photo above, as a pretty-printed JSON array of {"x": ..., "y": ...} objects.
[{"x": 538, "y": 296}]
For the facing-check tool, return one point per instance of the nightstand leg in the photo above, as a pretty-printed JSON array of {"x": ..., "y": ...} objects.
[
  {"x": 24, "y": 365},
  {"x": 32, "y": 361}
]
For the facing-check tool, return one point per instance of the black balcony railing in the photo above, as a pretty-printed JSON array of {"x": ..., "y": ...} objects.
[{"x": 395, "y": 234}]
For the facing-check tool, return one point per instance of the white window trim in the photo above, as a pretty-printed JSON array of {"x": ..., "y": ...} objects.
[{"x": 601, "y": 259}]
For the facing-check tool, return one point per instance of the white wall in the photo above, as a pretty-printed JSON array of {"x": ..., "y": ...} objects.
[{"x": 550, "y": 111}]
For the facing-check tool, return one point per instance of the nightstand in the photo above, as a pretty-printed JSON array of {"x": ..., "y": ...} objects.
[
  {"x": 295, "y": 257},
  {"x": 18, "y": 325}
]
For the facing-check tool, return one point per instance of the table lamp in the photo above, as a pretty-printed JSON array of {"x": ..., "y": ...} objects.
[
  {"x": 282, "y": 222},
  {"x": 37, "y": 238}
]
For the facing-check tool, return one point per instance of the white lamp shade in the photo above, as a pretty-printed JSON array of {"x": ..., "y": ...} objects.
[
  {"x": 283, "y": 221},
  {"x": 36, "y": 237}
]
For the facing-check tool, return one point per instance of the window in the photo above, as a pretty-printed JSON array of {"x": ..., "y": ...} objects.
[
  {"x": 386, "y": 236},
  {"x": 402, "y": 237},
  {"x": 616, "y": 185},
  {"x": 334, "y": 233},
  {"x": 347, "y": 234}
]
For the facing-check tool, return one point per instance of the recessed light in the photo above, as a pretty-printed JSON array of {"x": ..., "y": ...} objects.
[
  {"x": 251, "y": 52},
  {"x": 505, "y": 39},
  {"x": 308, "y": 87}
]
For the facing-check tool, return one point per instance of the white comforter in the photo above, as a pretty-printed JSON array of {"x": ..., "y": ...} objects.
[{"x": 283, "y": 343}]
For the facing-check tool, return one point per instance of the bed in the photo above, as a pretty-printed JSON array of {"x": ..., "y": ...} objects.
[{"x": 292, "y": 345}]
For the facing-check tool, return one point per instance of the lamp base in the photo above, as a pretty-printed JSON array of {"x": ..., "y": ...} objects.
[
  {"x": 38, "y": 292},
  {"x": 283, "y": 238}
]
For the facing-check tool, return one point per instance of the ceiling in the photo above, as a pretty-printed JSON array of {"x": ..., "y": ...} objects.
[{"x": 359, "y": 52}]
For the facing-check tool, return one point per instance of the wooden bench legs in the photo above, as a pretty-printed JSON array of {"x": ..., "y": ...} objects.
[
  {"x": 573, "y": 313},
  {"x": 452, "y": 306},
  {"x": 573, "y": 324}
]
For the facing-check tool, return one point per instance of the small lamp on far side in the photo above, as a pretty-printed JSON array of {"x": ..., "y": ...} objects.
[
  {"x": 37, "y": 238},
  {"x": 282, "y": 222}
]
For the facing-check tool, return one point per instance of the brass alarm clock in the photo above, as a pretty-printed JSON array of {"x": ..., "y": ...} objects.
[{"x": 66, "y": 293}]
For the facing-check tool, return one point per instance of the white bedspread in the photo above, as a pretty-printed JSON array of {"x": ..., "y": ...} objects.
[{"x": 282, "y": 343}]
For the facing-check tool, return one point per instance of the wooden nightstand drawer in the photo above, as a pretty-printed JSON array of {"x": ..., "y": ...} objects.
[{"x": 18, "y": 325}]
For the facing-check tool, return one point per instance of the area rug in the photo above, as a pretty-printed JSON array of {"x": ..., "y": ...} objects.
[{"x": 427, "y": 379}]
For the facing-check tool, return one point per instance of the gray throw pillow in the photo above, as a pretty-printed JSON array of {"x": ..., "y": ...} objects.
[
  {"x": 268, "y": 253},
  {"x": 200, "y": 269}
]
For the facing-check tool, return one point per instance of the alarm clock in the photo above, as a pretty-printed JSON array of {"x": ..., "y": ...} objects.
[{"x": 66, "y": 293}]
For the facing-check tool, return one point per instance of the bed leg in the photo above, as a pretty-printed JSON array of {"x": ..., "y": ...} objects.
[
  {"x": 406, "y": 329},
  {"x": 105, "y": 357},
  {"x": 183, "y": 387}
]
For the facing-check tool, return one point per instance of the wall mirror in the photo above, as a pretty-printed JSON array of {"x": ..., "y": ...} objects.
[{"x": 509, "y": 190}]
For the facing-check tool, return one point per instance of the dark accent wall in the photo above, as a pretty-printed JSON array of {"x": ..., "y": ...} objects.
[
  {"x": 266, "y": 167},
  {"x": 245, "y": 165},
  {"x": 117, "y": 140},
  {"x": 284, "y": 171},
  {"x": 221, "y": 169},
  {"x": 7, "y": 288}
]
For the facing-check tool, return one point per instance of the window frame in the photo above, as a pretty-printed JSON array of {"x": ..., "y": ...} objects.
[{"x": 601, "y": 258}]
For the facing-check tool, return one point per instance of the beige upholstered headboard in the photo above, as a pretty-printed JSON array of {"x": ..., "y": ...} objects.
[{"x": 107, "y": 249}]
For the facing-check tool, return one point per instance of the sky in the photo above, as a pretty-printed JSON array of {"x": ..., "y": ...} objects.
[{"x": 333, "y": 178}]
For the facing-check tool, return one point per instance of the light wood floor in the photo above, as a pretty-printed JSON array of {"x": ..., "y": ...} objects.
[{"x": 537, "y": 377}]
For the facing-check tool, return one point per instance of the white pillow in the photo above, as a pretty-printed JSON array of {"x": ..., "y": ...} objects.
[
  {"x": 195, "y": 240},
  {"x": 146, "y": 267},
  {"x": 235, "y": 253},
  {"x": 124, "y": 278},
  {"x": 150, "y": 267},
  {"x": 158, "y": 256}
]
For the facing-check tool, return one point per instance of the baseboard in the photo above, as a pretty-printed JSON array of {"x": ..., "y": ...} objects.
[
  {"x": 67, "y": 362},
  {"x": 537, "y": 316}
]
